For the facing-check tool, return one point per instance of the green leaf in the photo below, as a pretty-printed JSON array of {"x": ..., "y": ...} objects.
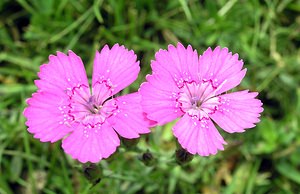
[{"x": 288, "y": 171}]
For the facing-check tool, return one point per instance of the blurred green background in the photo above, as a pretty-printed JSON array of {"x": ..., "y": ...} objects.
[{"x": 266, "y": 34}]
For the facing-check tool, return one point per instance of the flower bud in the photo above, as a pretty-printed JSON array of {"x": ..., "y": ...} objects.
[
  {"x": 182, "y": 156},
  {"x": 92, "y": 173},
  {"x": 147, "y": 158}
]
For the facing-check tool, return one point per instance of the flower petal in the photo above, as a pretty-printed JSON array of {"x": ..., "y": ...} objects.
[
  {"x": 129, "y": 121},
  {"x": 237, "y": 111},
  {"x": 177, "y": 63},
  {"x": 47, "y": 116},
  {"x": 222, "y": 68},
  {"x": 159, "y": 105},
  {"x": 198, "y": 137},
  {"x": 62, "y": 73},
  {"x": 116, "y": 67},
  {"x": 91, "y": 144}
]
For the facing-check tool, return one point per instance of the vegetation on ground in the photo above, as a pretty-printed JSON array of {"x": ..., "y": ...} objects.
[{"x": 265, "y": 33}]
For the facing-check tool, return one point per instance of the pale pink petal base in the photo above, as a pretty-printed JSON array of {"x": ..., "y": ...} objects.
[
  {"x": 91, "y": 144},
  {"x": 129, "y": 121},
  {"x": 47, "y": 116},
  {"x": 238, "y": 111},
  {"x": 198, "y": 137}
]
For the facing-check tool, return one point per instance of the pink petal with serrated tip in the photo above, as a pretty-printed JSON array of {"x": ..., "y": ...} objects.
[
  {"x": 238, "y": 111},
  {"x": 198, "y": 137},
  {"x": 117, "y": 67},
  {"x": 129, "y": 121},
  {"x": 91, "y": 144}
]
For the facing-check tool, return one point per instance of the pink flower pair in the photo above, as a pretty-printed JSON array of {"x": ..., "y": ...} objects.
[{"x": 182, "y": 85}]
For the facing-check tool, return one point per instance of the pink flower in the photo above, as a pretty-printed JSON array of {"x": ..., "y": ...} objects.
[
  {"x": 88, "y": 121},
  {"x": 191, "y": 87}
]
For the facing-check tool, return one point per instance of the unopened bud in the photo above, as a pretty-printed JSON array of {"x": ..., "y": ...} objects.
[
  {"x": 182, "y": 156},
  {"x": 147, "y": 158},
  {"x": 92, "y": 172}
]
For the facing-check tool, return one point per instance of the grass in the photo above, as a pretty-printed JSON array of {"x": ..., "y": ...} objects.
[{"x": 266, "y": 34}]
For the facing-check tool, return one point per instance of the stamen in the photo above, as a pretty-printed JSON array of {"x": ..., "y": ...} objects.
[
  {"x": 90, "y": 110},
  {"x": 198, "y": 100}
]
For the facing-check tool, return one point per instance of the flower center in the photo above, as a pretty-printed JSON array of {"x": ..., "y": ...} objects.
[
  {"x": 93, "y": 106},
  {"x": 198, "y": 100},
  {"x": 88, "y": 109}
]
